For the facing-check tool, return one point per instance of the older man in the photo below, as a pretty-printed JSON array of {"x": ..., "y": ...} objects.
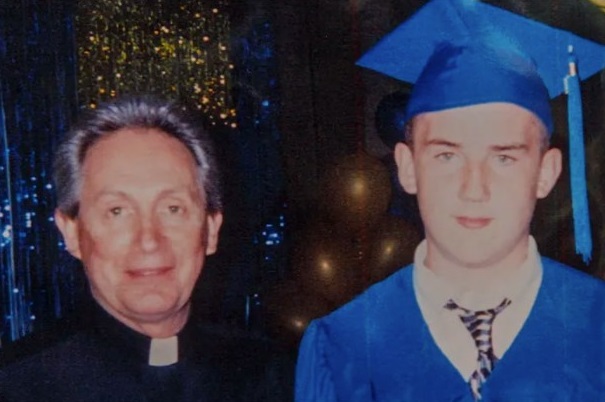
[
  {"x": 139, "y": 204},
  {"x": 480, "y": 315}
]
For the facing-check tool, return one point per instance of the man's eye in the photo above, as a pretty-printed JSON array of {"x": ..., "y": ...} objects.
[
  {"x": 116, "y": 211},
  {"x": 175, "y": 209},
  {"x": 505, "y": 159},
  {"x": 445, "y": 156}
]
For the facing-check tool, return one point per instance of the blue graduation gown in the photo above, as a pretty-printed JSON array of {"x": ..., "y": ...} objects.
[{"x": 378, "y": 348}]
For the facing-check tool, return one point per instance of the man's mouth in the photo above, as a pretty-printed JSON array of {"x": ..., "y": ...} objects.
[
  {"x": 148, "y": 272},
  {"x": 473, "y": 222}
]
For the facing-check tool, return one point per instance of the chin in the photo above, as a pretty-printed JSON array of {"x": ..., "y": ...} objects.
[{"x": 154, "y": 306}]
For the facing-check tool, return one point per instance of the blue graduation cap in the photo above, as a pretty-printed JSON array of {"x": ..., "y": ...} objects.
[{"x": 465, "y": 52}]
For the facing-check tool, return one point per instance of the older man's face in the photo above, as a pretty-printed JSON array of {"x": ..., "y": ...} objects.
[{"x": 142, "y": 231}]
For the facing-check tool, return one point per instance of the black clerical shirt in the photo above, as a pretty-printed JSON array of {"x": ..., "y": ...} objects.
[{"x": 107, "y": 361}]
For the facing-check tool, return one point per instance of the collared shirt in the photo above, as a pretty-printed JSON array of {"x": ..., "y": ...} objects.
[
  {"x": 445, "y": 326},
  {"x": 100, "y": 359},
  {"x": 164, "y": 351}
]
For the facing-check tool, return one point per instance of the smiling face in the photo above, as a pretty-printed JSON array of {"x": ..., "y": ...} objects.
[
  {"x": 142, "y": 232},
  {"x": 477, "y": 172}
]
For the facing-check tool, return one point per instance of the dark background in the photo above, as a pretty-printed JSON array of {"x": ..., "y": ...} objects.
[{"x": 302, "y": 107}]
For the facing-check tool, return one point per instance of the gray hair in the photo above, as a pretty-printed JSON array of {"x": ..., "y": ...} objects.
[{"x": 133, "y": 112}]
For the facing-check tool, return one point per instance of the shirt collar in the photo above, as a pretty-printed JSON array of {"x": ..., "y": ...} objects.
[
  {"x": 163, "y": 351},
  {"x": 136, "y": 346},
  {"x": 436, "y": 290}
]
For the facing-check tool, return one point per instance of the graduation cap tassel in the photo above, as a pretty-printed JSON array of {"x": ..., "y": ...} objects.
[{"x": 577, "y": 170}]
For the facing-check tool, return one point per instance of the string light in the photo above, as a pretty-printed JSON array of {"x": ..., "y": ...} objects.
[{"x": 177, "y": 52}]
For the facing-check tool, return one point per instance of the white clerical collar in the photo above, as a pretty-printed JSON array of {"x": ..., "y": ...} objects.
[
  {"x": 164, "y": 351},
  {"x": 437, "y": 290}
]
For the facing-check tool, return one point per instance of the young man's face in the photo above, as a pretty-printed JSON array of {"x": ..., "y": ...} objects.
[
  {"x": 477, "y": 172},
  {"x": 142, "y": 231}
]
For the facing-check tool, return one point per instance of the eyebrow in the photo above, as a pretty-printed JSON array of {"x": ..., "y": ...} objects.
[
  {"x": 110, "y": 193},
  {"x": 442, "y": 142},
  {"x": 497, "y": 148},
  {"x": 510, "y": 147},
  {"x": 164, "y": 193}
]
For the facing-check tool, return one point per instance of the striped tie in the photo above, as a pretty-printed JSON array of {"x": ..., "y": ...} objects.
[{"x": 479, "y": 324}]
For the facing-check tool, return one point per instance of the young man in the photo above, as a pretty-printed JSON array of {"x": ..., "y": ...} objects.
[{"x": 480, "y": 315}]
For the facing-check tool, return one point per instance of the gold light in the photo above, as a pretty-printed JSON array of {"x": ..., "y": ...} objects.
[{"x": 176, "y": 52}]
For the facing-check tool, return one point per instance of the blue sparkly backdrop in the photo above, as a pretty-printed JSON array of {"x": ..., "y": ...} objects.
[
  {"x": 37, "y": 99},
  {"x": 260, "y": 159},
  {"x": 252, "y": 253}
]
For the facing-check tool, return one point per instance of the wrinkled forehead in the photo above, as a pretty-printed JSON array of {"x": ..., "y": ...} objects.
[{"x": 137, "y": 158}]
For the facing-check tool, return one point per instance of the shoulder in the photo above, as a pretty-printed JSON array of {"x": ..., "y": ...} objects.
[
  {"x": 334, "y": 355},
  {"x": 574, "y": 296},
  {"x": 46, "y": 343},
  {"x": 350, "y": 325},
  {"x": 24, "y": 355},
  {"x": 571, "y": 279},
  {"x": 55, "y": 335},
  {"x": 375, "y": 301},
  {"x": 31, "y": 372}
]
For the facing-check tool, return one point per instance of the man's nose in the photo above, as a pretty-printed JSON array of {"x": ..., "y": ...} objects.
[
  {"x": 475, "y": 183},
  {"x": 150, "y": 234}
]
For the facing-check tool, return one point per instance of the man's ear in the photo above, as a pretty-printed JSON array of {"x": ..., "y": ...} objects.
[
  {"x": 69, "y": 229},
  {"x": 213, "y": 227},
  {"x": 405, "y": 168},
  {"x": 550, "y": 170}
]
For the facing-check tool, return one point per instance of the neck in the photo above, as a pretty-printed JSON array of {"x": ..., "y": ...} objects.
[
  {"x": 163, "y": 327},
  {"x": 480, "y": 276}
]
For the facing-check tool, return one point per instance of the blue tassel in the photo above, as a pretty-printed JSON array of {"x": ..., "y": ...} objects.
[{"x": 577, "y": 168}]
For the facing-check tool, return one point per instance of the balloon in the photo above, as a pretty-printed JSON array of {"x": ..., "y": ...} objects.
[
  {"x": 392, "y": 246},
  {"x": 325, "y": 263},
  {"x": 290, "y": 310},
  {"x": 356, "y": 191},
  {"x": 390, "y": 118}
]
